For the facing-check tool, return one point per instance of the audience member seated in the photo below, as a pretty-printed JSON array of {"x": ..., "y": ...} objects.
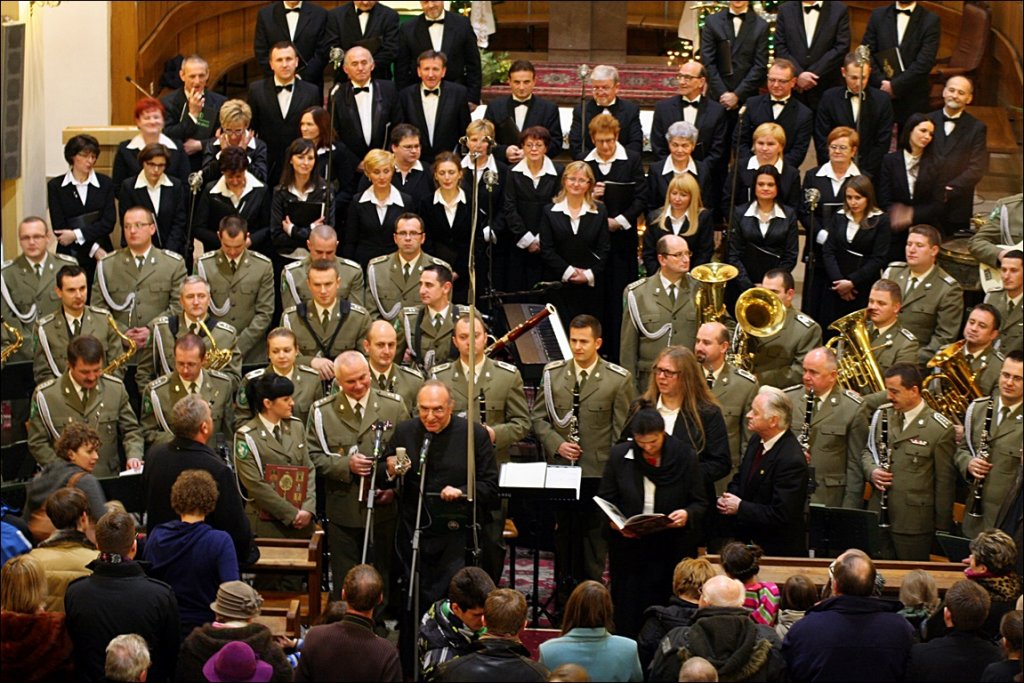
[
  {"x": 587, "y": 637},
  {"x": 920, "y": 598},
  {"x": 1010, "y": 629},
  {"x": 762, "y": 597},
  {"x": 850, "y": 636},
  {"x": 35, "y": 644},
  {"x": 722, "y": 633},
  {"x": 235, "y": 610},
  {"x": 119, "y": 598},
  {"x": 236, "y": 661},
  {"x": 570, "y": 673},
  {"x": 697, "y": 669},
  {"x": 688, "y": 580},
  {"x": 189, "y": 554},
  {"x": 234, "y": 131},
  {"x": 499, "y": 654},
  {"x": 66, "y": 554},
  {"x": 964, "y": 652},
  {"x": 127, "y": 658},
  {"x": 451, "y": 627},
  {"x": 797, "y": 596}
]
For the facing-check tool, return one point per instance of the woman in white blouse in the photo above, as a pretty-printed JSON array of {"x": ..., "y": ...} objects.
[
  {"x": 907, "y": 190},
  {"x": 300, "y": 202},
  {"x": 448, "y": 221},
  {"x": 370, "y": 226}
]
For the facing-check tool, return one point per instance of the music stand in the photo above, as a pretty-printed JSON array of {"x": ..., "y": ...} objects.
[
  {"x": 835, "y": 530},
  {"x": 955, "y": 547}
]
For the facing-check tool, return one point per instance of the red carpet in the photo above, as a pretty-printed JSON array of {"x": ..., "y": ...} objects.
[{"x": 645, "y": 84}]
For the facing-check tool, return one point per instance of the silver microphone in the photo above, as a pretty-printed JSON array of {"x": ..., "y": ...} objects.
[
  {"x": 863, "y": 54},
  {"x": 812, "y": 196},
  {"x": 195, "y": 181},
  {"x": 490, "y": 179},
  {"x": 583, "y": 72},
  {"x": 336, "y": 55},
  {"x": 423, "y": 452}
]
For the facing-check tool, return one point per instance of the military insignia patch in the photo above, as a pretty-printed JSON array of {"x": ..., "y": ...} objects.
[
  {"x": 147, "y": 406},
  {"x": 241, "y": 449}
]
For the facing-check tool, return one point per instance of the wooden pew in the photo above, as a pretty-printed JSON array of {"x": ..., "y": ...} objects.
[
  {"x": 294, "y": 556},
  {"x": 282, "y": 621}
]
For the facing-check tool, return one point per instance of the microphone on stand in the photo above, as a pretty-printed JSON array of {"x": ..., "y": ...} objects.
[
  {"x": 335, "y": 56},
  {"x": 583, "y": 71},
  {"x": 138, "y": 87},
  {"x": 423, "y": 453}
]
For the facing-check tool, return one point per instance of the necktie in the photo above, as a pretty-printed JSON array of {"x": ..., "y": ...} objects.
[
  {"x": 734, "y": 17},
  {"x": 277, "y": 433},
  {"x": 288, "y": 87},
  {"x": 234, "y": 267},
  {"x": 687, "y": 103},
  {"x": 85, "y": 396},
  {"x": 434, "y": 22},
  {"x": 39, "y": 270},
  {"x": 356, "y": 91},
  {"x": 139, "y": 260},
  {"x": 583, "y": 379},
  {"x": 382, "y": 382},
  {"x": 292, "y": 9},
  {"x": 1009, "y": 305},
  {"x": 672, "y": 294},
  {"x": 76, "y": 327},
  {"x": 1004, "y": 413},
  {"x": 325, "y": 318},
  {"x": 406, "y": 271},
  {"x": 906, "y": 12},
  {"x": 874, "y": 334},
  {"x": 358, "y": 410},
  {"x": 524, "y": 103},
  {"x": 756, "y": 463},
  {"x": 436, "y": 92},
  {"x": 194, "y": 328},
  {"x": 437, "y": 321},
  {"x": 949, "y": 119},
  {"x": 912, "y": 285},
  {"x": 969, "y": 357},
  {"x": 710, "y": 378},
  {"x": 360, "y": 12},
  {"x": 191, "y": 387},
  {"x": 781, "y": 103},
  {"x": 812, "y": 8}
]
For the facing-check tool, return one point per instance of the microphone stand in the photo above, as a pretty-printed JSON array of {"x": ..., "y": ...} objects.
[
  {"x": 379, "y": 427},
  {"x": 195, "y": 183},
  {"x": 490, "y": 182},
  {"x": 735, "y": 177},
  {"x": 583, "y": 72},
  {"x": 471, "y": 418},
  {"x": 413, "y": 599},
  {"x": 863, "y": 53},
  {"x": 811, "y": 197},
  {"x": 336, "y": 56}
]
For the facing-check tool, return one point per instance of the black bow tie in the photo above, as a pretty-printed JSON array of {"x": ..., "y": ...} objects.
[
  {"x": 852, "y": 95},
  {"x": 360, "y": 12},
  {"x": 908, "y": 12},
  {"x": 684, "y": 103},
  {"x": 432, "y": 22},
  {"x": 950, "y": 119},
  {"x": 524, "y": 103},
  {"x": 288, "y": 87},
  {"x": 356, "y": 91},
  {"x": 780, "y": 102},
  {"x": 812, "y": 8},
  {"x": 293, "y": 9},
  {"x": 436, "y": 92}
]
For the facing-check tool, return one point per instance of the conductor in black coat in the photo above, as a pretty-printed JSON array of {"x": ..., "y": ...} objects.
[
  {"x": 276, "y": 126},
  {"x": 641, "y": 566},
  {"x": 376, "y": 29},
  {"x": 817, "y": 62},
  {"x": 308, "y": 37},
  {"x": 441, "y": 31},
  {"x": 524, "y": 110},
  {"x": 764, "y": 502},
  {"x": 604, "y": 82},
  {"x": 734, "y": 49},
  {"x": 443, "y": 130},
  {"x": 376, "y": 100}
]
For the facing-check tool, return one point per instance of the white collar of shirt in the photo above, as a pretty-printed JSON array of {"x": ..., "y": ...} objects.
[
  {"x": 1000, "y": 405},
  {"x": 251, "y": 182},
  {"x": 753, "y": 164},
  {"x": 665, "y": 411},
  {"x": 547, "y": 168},
  {"x": 416, "y": 166},
  {"x": 439, "y": 198},
  {"x": 666, "y": 283},
  {"x": 198, "y": 381},
  {"x": 141, "y": 181},
  {"x": 72, "y": 318},
  {"x": 368, "y": 84},
  {"x": 69, "y": 179},
  {"x": 78, "y": 387},
  {"x": 883, "y": 330},
  {"x": 826, "y": 171},
  {"x": 777, "y": 211},
  {"x": 813, "y": 4},
  {"x": 144, "y": 255},
  {"x": 432, "y": 314},
  {"x": 189, "y": 321},
  {"x": 714, "y": 373},
  {"x": 394, "y": 197},
  {"x": 352, "y": 403},
  {"x": 250, "y": 145},
  {"x": 820, "y": 398},
  {"x": 1016, "y": 299},
  {"x": 138, "y": 143},
  {"x": 303, "y": 195},
  {"x": 563, "y": 207},
  {"x": 909, "y": 159},
  {"x": 589, "y": 369},
  {"x": 871, "y": 214},
  {"x": 955, "y": 117},
  {"x": 607, "y": 106},
  {"x": 922, "y": 277},
  {"x": 291, "y": 83},
  {"x": 911, "y": 415},
  {"x": 770, "y": 443},
  {"x": 465, "y": 367},
  {"x": 411, "y": 264},
  {"x": 670, "y": 167},
  {"x": 490, "y": 165},
  {"x": 268, "y": 424},
  {"x": 620, "y": 155}
]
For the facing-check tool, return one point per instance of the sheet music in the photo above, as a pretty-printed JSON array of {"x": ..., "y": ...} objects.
[
  {"x": 522, "y": 475},
  {"x": 564, "y": 477}
]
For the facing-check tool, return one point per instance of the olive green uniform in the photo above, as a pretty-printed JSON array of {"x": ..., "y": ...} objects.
[
  {"x": 25, "y": 297},
  {"x": 161, "y": 394},
  {"x": 309, "y": 389},
  {"x": 56, "y": 404},
  {"x": 431, "y": 343},
  {"x": 652, "y": 320},
  {"x": 1003, "y": 446},
  {"x": 932, "y": 311},
  {"x": 779, "y": 359},
  {"x": 897, "y": 345},
  {"x": 406, "y": 382},
  {"x": 388, "y": 290},
  {"x": 986, "y": 367},
  {"x": 53, "y": 335},
  {"x": 243, "y": 299},
  {"x": 158, "y": 358},
  {"x": 295, "y": 290},
  {"x": 135, "y": 296},
  {"x": 345, "y": 330},
  {"x": 1011, "y": 331},
  {"x": 735, "y": 389},
  {"x": 1005, "y": 226}
]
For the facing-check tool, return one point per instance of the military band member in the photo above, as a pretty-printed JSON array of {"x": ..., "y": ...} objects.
[
  {"x": 380, "y": 347},
  {"x": 28, "y": 292},
  {"x": 140, "y": 282},
  {"x": 275, "y": 437},
  {"x": 933, "y": 302},
  {"x": 241, "y": 287},
  {"x": 283, "y": 352},
  {"x": 837, "y": 432},
  {"x": 735, "y": 389},
  {"x": 1003, "y": 229},
  {"x": 605, "y": 392},
  {"x": 778, "y": 359},
  {"x": 323, "y": 246},
  {"x": 981, "y": 331},
  {"x": 188, "y": 377},
  {"x": 659, "y": 310},
  {"x": 890, "y": 343},
  {"x": 341, "y": 436},
  {"x": 427, "y": 329},
  {"x": 990, "y": 451},
  {"x": 500, "y": 406},
  {"x": 920, "y": 478},
  {"x": 1008, "y": 301},
  {"x": 326, "y": 325},
  {"x": 72, "y": 319},
  {"x": 84, "y": 394},
  {"x": 158, "y": 358},
  {"x": 393, "y": 280}
]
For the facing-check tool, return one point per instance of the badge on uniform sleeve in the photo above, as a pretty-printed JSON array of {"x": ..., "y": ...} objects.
[
  {"x": 919, "y": 442},
  {"x": 147, "y": 406},
  {"x": 241, "y": 450}
]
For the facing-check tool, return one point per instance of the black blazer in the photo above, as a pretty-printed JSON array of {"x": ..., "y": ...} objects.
[
  {"x": 495, "y": 216},
  {"x": 539, "y": 112},
  {"x": 524, "y": 202},
  {"x": 451, "y": 122},
  {"x": 381, "y": 34},
  {"x": 364, "y": 236},
  {"x": 449, "y": 241},
  {"x": 658, "y": 180},
  {"x": 344, "y": 176},
  {"x": 755, "y": 255},
  {"x": 822, "y": 214},
  {"x": 789, "y": 186},
  {"x": 65, "y": 205},
  {"x": 712, "y": 142},
  {"x": 772, "y": 511},
  {"x": 126, "y": 163},
  {"x": 180, "y": 126},
  {"x": 310, "y": 43},
  {"x": 171, "y": 215},
  {"x": 749, "y": 51},
  {"x": 918, "y": 49},
  {"x": 962, "y": 159},
  {"x": 829, "y": 45},
  {"x": 257, "y": 160},
  {"x": 280, "y": 205},
  {"x": 876, "y": 118},
  {"x": 275, "y": 130},
  {"x": 560, "y": 248},
  {"x": 211, "y": 208},
  {"x": 385, "y": 114},
  {"x": 631, "y": 135},
  {"x": 702, "y": 244},
  {"x": 629, "y": 170},
  {"x": 796, "y": 120},
  {"x": 894, "y": 188},
  {"x": 860, "y": 261},
  {"x": 458, "y": 43}
]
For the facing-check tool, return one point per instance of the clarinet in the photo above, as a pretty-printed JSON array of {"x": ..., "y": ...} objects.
[
  {"x": 885, "y": 461},
  {"x": 482, "y": 402},
  {"x": 976, "y": 510},
  {"x": 805, "y": 431},
  {"x": 574, "y": 421}
]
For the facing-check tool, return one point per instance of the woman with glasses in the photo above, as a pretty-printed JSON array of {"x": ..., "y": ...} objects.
[
  {"x": 234, "y": 131},
  {"x": 165, "y": 197},
  {"x": 149, "y": 117}
]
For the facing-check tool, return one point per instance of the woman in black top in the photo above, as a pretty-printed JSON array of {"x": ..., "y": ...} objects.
[
  {"x": 763, "y": 234},
  {"x": 370, "y": 227},
  {"x": 291, "y": 213},
  {"x": 343, "y": 175},
  {"x": 149, "y": 117},
  {"x": 171, "y": 198},
  {"x": 448, "y": 220},
  {"x": 234, "y": 131},
  {"x": 236, "y": 192},
  {"x": 907, "y": 189},
  {"x": 682, "y": 214}
]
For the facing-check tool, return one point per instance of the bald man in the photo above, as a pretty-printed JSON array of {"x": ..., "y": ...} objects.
[
  {"x": 380, "y": 347},
  {"x": 366, "y": 107}
]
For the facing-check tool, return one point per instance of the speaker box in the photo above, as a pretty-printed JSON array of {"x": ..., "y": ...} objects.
[{"x": 12, "y": 90}]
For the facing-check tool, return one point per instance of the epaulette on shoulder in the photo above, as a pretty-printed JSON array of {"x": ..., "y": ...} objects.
[
  {"x": 853, "y": 396},
  {"x": 254, "y": 374},
  {"x": 6, "y": 264},
  {"x": 258, "y": 255},
  {"x": 746, "y": 374},
  {"x": 949, "y": 279},
  {"x": 290, "y": 309},
  {"x": 349, "y": 262},
  {"x": 410, "y": 310},
  {"x": 884, "y": 406},
  {"x": 358, "y": 309},
  {"x": 65, "y": 258},
  {"x": 379, "y": 259},
  {"x": 618, "y": 369},
  {"x": 983, "y": 399},
  {"x": 46, "y": 319},
  {"x": 296, "y": 419},
  {"x": 208, "y": 255},
  {"x": 897, "y": 264},
  {"x": 99, "y": 310},
  {"x": 245, "y": 429},
  {"x": 638, "y": 283},
  {"x": 293, "y": 265},
  {"x": 220, "y": 375},
  {"x": 160, "y": 381},
  {"x": 390, "y": 395},
  {"x": 46, "y": 385},
  {"x": 321, "y": 402},
  {"x": 306, "y": 368},
  {"x": 440, "y": 262},
  {"x": 942, "y": 420},
  {"x": 173, "y": 254},
  {"x": 162, "y": 320},
  {"x": 555, "y": 364},
  {"x": 113, "y": 378},
  {"x": 461, "y": 310},
  {"x": 112, "y": 254},
  {"x": 412, "y": 371},
  {"x": 804, "y": 320},
  {"x": 438, "y": 369},
  {"x": 794, "y": 388},
  {"x": 1000, "y": 356},
  {"x": 228, "y": 327},
  {"x": 908, "y": 334},
  {"x": 507, "y": 367}
]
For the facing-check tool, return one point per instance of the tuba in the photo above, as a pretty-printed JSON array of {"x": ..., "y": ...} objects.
[
  {"x": 858, "y": 369},
  {"x": 17, "y": 339},
  {"x": 215, "y": 358},
  {"x": 759, "y": 314},
  {"x": 116, "y": 364},
  {"x": 709, "y": 299},
  {"x": 956, "y": 382}
]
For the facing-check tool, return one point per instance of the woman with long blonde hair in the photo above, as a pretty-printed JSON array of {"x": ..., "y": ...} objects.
[{"x": 682, "y": 214}]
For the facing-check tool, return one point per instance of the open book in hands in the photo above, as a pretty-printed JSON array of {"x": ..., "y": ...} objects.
[{"x": 640, "y": 525}]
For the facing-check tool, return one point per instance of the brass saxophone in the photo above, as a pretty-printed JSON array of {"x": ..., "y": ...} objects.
[
  {"x": 885, "y": 462},
  {"x": 978, "y": 485},
  {"x": 116, "y": 364},
  {"x": 13, "y": 347},
  {"x": 574, "y": 421},
  {"x": 215, "y": 358}
]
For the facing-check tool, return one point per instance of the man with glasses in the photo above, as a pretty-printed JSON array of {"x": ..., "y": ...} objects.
[
  {"x": 393, "y": 280},
  {"x": 659, "y": 310},
  {"x": 693, "y": 107},
  {"x": 779, "y": 106},
  {"x": 411, "y": 176}
]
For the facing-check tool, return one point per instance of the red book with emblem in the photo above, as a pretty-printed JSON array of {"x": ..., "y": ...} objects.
[{"x": 289, "y": 481}]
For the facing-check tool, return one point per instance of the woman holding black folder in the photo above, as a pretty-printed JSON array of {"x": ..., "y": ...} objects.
[{"x": 335, "y": 162}]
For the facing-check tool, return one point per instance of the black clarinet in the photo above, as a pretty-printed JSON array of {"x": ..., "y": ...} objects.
[
  {"x": 978, "y": 485},
  {"x": 482, "y": 402},
  {"x": 885, "y": 461},
  {"x": 574, "y": 421}
]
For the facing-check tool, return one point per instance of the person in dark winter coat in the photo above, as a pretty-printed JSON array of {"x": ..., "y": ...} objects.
[
  {"x": 688, "y": 579},
  {"x": 964, "y": 652},
  {"x": 831, "y": 641},
  {"x": 450, "y": 627}
]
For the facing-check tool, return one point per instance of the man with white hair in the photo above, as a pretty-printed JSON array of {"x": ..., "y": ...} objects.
[
  {"x": 722, "y": 633},
  {"x": 765, "y": 499},
  {"x": 604, "y": 84}
]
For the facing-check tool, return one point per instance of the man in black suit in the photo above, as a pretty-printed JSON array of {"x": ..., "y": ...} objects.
[
  {"x": 779, "y": 106},
  {"x": 411, "y": 176},
  {"x": 439, "y": 111},
  {"x": 858, "y": 106},
  {"x": 523, "y": 109},
  {"x": 365, "y": 108},
  {"x": 192, "y": 112},
  {"x": 277, "y": 104},
  {"x": 910, "y": 30},
  {"x": 446, "y": 32},
  {"x": 604, "y": 83},
  {"x": 734, "y": 49},
  {"x": 301, "y": 23},
  {"x": 703, "y": 112},
  {"x": 765, "y": 499},
  {"x": 814, "y": 36},
  {"x": 369, "y": 24},
  {"x": 960, "y": 146}
]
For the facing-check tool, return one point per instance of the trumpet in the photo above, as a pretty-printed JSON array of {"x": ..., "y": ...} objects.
[
  {"x": 215, "y": 358},
  {"x": 17, "y": 341},
  {"x": 709, "y": 299},
  {"x": 977, "y": 486},
  {"x": 759, "y": 314},
  {"x": 885, "y": 461},
  {"x": 116, "y": 364}
]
